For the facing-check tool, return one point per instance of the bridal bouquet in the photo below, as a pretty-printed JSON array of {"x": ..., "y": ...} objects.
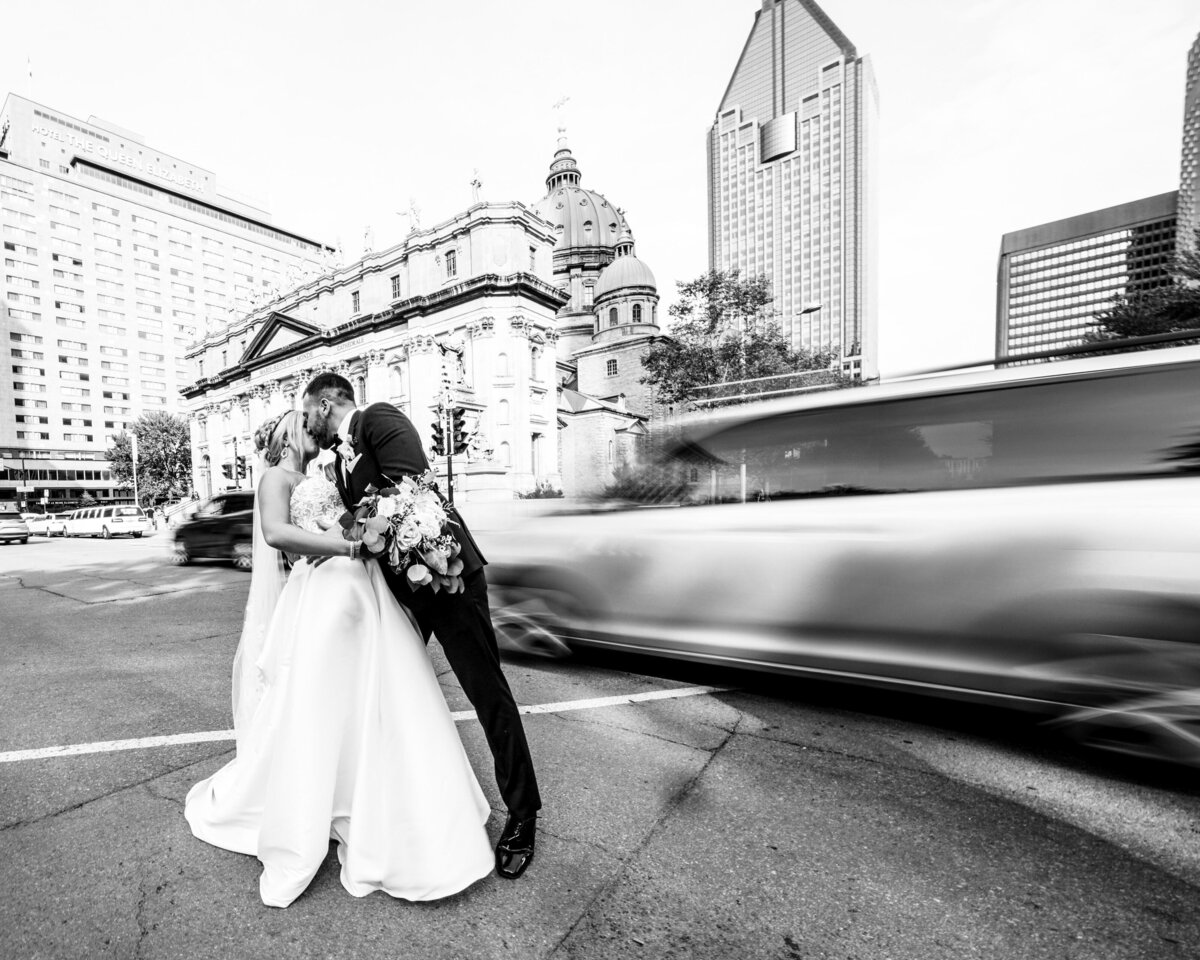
[{"x": 406, "y": 526}]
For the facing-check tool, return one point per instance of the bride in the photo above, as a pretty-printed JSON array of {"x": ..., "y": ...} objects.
[{"x": 342, "y": 730}]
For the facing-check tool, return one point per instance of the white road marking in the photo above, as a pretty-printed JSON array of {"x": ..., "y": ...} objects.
[{"x": 210, "y": 736}]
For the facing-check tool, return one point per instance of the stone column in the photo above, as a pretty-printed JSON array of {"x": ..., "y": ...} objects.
[
  {"x": 258, "y": 408},
  {"x": 377, "y": 375}
]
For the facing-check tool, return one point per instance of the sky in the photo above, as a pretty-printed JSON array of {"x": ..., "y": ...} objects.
[{"x": 337, "y": 117}]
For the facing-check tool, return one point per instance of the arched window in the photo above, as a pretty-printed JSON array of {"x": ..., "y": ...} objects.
[
  {"x": 360, "y": 390},
  {"x": 505, "y": 454},
  {"x": 612, "y": 317},
  {"x": 637, "y": 313},
  {"x": 396, "y": 380},
  {"x": 502, "y": 412},
  {"x": 502, "y": 366}
]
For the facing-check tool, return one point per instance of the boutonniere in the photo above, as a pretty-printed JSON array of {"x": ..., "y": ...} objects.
[{"x": 345, "y": 450}]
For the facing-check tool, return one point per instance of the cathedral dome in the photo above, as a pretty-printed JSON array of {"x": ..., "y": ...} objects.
[
  {"x": 626, "y": 271},
  {"x": 582, "y": 218}
]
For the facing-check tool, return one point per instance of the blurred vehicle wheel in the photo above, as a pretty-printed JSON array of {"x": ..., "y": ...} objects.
[
  {"x": 243, "y": 556},
  {"x": 180, "y": 556},
  {"x": 105, "y": 534},
  {"x": 524, "y": 629},
  {"x": 137, "y": 535}
]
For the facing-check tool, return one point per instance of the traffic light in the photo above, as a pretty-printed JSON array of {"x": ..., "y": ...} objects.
[
  {"x": 459, "y": 429},
  {"x": 227, "y": 469},
  {"x": 439, "y": 438},
  {"x": 241, "y": 467}
]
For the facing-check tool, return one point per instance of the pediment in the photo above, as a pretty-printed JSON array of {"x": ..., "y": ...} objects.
[{"x": 277, "y": 333}]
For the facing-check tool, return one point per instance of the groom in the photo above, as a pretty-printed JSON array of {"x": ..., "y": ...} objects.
[{"x": 379, "y": 445}]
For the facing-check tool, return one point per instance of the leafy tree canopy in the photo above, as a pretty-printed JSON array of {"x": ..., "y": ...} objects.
[
  {"x": 723, "y": 331},
  {"x": 164, "y": 467}
]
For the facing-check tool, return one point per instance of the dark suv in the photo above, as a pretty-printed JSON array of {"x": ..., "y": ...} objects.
[{"x": 221, "y": 528}]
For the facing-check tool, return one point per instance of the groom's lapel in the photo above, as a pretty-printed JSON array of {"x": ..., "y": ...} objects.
[{"x": 337, "y": 477}]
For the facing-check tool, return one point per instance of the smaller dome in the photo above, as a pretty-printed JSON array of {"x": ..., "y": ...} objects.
[{"x": 627, "y": 271}]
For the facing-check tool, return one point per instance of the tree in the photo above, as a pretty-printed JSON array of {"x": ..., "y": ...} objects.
[
  {"x": 1166, "y": 309},
  {"x": 722, "y": 331},
  {"x": 164, "y": 457}
]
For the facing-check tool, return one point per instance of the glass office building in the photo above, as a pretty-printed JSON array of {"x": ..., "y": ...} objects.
[
  {"x": 1054, "y": 278},
  {"x": 791, "y": 185},
  {"x": 116, "y": 257}
]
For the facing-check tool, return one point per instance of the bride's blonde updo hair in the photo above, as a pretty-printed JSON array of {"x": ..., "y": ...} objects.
[{"x": 279, "y": 434}]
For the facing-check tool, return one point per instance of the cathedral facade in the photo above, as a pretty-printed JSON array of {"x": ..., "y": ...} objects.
[{"x": 533, "y": 318}]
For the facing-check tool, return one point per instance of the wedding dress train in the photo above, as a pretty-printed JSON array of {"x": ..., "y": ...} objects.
[{"x": 350, "y": 738}]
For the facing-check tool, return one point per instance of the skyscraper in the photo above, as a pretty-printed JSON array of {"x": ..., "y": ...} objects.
[
  {"x": 791, "y": 184},
  {"x": 116, "y": 256},
  {"x": 1189, "y": 163}
]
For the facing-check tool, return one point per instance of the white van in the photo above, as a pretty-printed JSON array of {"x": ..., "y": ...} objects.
[
  {"x": 108, "y": 522},
  {"x": 1027, "y": 537}
]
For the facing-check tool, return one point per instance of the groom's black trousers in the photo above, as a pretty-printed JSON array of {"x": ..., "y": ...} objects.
[{"x": 463, "y": 625}]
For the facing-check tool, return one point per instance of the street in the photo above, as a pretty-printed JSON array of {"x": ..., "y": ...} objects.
[{"x": 688, "y": 813}]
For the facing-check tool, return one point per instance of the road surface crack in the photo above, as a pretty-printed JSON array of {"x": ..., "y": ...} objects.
[
  {"x": 112, "y": 793},
  {"x": 645, "y": 733},
  {"x": 680, "y": 795}
]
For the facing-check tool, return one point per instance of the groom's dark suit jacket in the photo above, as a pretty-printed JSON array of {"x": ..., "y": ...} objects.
[{"x": 389, "y": 449}]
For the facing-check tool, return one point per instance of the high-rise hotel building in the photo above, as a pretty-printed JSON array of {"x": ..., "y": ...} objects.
[
  {"x": 791, "y": 182},
  {"x": 116, "y": 256}
]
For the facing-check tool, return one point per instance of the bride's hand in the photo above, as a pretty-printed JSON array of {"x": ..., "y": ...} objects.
[{"x": 329, "y": 528}]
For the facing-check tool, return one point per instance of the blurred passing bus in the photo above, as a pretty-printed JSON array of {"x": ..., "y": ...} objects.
[{"x": 1028, "y": 536}]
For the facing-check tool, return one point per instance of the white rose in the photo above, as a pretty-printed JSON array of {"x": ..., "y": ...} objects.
[
  {"x": 408, "y": 534},
  {"x": 428, "y": 519},
  {"x": 386, "y": 507}
]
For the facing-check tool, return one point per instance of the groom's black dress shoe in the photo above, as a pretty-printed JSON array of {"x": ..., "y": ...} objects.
[{"x": 514, "y": 851}]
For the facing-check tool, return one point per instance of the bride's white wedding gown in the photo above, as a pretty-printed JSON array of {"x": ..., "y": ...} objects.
[{"x": 351, "y": 739}]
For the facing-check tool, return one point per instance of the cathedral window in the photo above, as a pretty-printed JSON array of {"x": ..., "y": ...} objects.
[
  {"x": 396, "y": 287},
  {"x": 588, "y": 291},
  {"x": 354, "y": 301},
  {"x": 502, "y": 412},
  {"x": 612, "y": 316},
  {"x": 451, "y": 263},
  {"x": 502, "y": 366},
  {"x": 637, "y": 313},
  {"x": 611, "y": 368}
]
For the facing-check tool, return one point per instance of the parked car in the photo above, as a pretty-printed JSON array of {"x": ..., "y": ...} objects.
[
  {"x": 47, "y": 524},
  {"x": 1028, "y": 537},
  {"x": 221, "y": 528},
  {"x": 12, "y": 527},
  {"x": 108, "y": 522}
]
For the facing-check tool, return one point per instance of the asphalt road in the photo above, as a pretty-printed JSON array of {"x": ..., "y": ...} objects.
[{"x": 772, "y": 819}]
